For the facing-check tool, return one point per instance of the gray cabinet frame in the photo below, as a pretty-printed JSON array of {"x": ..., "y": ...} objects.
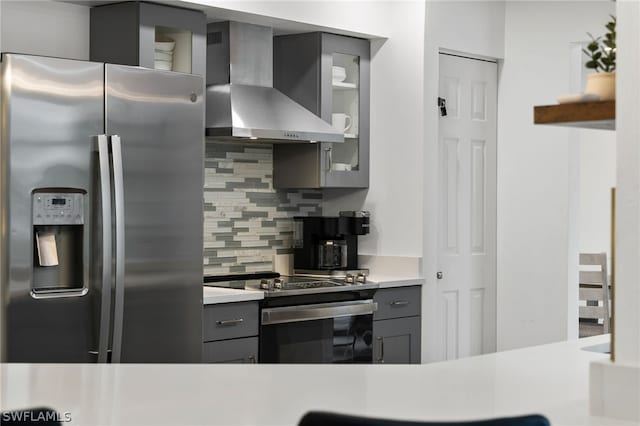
[
  {"x": 124, "y": 33},
  {"x": 302, "y": 70},
  {"x": 397, "y": 326},
  {"x": 230, "y": 333},
  {"x": 396, "y": 341},
  {"x": 240, "y": 351}
]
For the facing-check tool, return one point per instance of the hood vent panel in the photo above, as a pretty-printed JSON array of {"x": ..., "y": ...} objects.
[{"x": 241, "y": 100}]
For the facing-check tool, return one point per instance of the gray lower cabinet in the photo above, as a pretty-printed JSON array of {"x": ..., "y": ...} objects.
[
  {"x": 396, "y": 326},
  {"x": 230, "y": 333},
  {"x": 396, "y": 341},
  {"x": 239, "y": 351}
]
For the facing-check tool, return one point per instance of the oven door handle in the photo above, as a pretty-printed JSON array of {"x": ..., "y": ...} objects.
[{"x": 317, "y": 311}]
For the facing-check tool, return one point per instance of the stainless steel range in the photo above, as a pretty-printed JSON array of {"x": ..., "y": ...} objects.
[
  {"x": 287, "y": 285},
  {"x": 313, "y": 320}
]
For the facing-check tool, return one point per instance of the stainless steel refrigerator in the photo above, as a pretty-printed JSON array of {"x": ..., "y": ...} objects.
[{"x": 101, "y": 211}]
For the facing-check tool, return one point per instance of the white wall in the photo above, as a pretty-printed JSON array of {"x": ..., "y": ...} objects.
[
  {"x": 537, "y": 172},
  {"x": 597, "y": 177},
  {"x": 359, "y": 17},
  {"x": 44, "y": 28},
  {"x": 468, "y": 27},
  {"x": 395, "y": 193},
  {"x": 397, "y": 73}
]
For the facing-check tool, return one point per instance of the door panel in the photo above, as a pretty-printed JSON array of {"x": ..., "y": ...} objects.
[
  {"x": 52, "y": 110},
  {"x": 467, "y": 214},
  {"x": 397, "y": 341},
  {"x": 450, "y": 314},
  {"x": 159, "y": 117}
]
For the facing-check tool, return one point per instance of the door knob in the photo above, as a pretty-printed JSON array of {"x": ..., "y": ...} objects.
[{"x": 439, "y": 275}]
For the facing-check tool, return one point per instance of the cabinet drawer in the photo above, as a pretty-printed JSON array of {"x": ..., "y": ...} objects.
[
  {"x": 237, "y": 351},
  {"x": 230, "y": 321},
  {"x": 397, "y": 302}
]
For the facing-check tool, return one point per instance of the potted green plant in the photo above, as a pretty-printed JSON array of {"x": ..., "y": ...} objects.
[{"x": 602, "y": 59}]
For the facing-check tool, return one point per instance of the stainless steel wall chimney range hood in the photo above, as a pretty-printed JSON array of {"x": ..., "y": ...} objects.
[{"x": 241, "y": 101}]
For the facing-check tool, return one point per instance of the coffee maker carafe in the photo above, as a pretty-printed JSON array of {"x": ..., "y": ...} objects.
[{"x": 323, "y": 244}]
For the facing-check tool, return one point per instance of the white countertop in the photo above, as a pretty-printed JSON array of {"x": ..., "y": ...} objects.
[
  {"x": 213, "y": 295},
  {"x": 388, "y": 281},
  {"x": 549, "y": 379}
]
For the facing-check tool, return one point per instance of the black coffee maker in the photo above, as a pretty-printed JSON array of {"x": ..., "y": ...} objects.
[{"x": 326, "y": 244}]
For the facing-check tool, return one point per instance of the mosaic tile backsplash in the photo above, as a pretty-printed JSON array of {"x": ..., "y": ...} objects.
[{"x": 246, "y": 220}]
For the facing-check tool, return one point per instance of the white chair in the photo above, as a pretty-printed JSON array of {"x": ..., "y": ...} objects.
[{"x": 594, "y": 291}]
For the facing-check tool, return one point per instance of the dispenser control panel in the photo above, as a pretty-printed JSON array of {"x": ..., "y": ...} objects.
[{"x": 58, "y": 208}]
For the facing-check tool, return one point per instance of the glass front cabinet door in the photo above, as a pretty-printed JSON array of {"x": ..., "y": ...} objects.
[
  {"x": 149, "y": 35},
  {"x": 329, "y": 75}
]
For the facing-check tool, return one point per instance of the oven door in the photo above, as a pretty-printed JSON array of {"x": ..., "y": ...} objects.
[{"x": 338, "y": 332}]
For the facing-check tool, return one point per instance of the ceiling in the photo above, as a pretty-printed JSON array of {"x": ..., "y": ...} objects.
[{"x": 216, "y": 14}]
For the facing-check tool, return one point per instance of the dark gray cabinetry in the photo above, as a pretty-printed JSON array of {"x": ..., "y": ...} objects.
[
  {"x": 329, "y": 75},
  {"x": 230, "y": 333},
  {"x": 397, "y": 341},
  {"x": 239, "y": 351},
  {"x": 396, "y": 326},
  {"x": 125, "y": 33}
]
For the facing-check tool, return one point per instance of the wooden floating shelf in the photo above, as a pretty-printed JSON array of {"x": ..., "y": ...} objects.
[{"x": 589, "y": 115}]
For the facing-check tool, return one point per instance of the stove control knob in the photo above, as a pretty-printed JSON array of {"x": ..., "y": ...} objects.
[
  {"x": 349, "y": 279},
  {"x": 277, "y": 283},
  {"x": 361, "y": 278},
  {"x": 264, "y": 284}
]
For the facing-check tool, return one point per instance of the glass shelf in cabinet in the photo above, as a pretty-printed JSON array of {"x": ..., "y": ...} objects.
[{"x": 339, "y": 85}]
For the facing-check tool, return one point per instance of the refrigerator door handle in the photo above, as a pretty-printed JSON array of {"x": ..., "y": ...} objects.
[
  {"x": 105, "y": 191},
  {"x": 118, "y": 188}
]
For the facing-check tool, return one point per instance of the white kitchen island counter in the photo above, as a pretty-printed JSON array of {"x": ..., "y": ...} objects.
[{"x": 550, "y": 379}]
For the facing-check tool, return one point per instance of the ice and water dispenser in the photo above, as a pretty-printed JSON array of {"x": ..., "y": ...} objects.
[{"x": 58, "y": 238}]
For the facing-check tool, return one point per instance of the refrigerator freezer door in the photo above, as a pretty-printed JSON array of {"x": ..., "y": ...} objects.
[
  {"x": 52, "y": 111},
  {"x": 158, "y": 118}
]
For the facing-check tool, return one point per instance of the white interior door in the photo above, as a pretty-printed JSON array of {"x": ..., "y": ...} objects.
[{"x": 466, "y": 306}]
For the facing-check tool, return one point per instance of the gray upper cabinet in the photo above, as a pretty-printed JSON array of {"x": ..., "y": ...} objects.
[
  {"x": 329, "y": 75},
  {"x": 126, "y": 33}
]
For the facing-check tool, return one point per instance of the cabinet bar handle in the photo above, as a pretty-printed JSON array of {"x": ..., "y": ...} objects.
[
  {"x": 381, "y": 357},
  {"x": 329, "y": 166},
  {"x": 399, "y": 303},
  {"x": 230, "y": 322}
]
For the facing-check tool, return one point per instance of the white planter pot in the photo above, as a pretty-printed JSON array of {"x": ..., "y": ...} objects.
[{"x": 602, "y": 84}]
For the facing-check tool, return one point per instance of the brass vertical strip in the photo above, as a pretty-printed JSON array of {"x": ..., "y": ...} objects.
[{"x": 612, "y": 294}]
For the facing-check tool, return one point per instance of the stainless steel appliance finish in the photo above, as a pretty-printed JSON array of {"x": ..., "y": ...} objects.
[
  {"x": 241, "y": 100},
  {"x": 317, "y": 311},
  {"x": 158, "y": 117},
  {"x": 288, "y": 286},
  {"x": 131, "y": 140},
  {"x": 312, "y": 327},
  {"x": 296, "y": 285},
  {"x": 348, "y": 275}
]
